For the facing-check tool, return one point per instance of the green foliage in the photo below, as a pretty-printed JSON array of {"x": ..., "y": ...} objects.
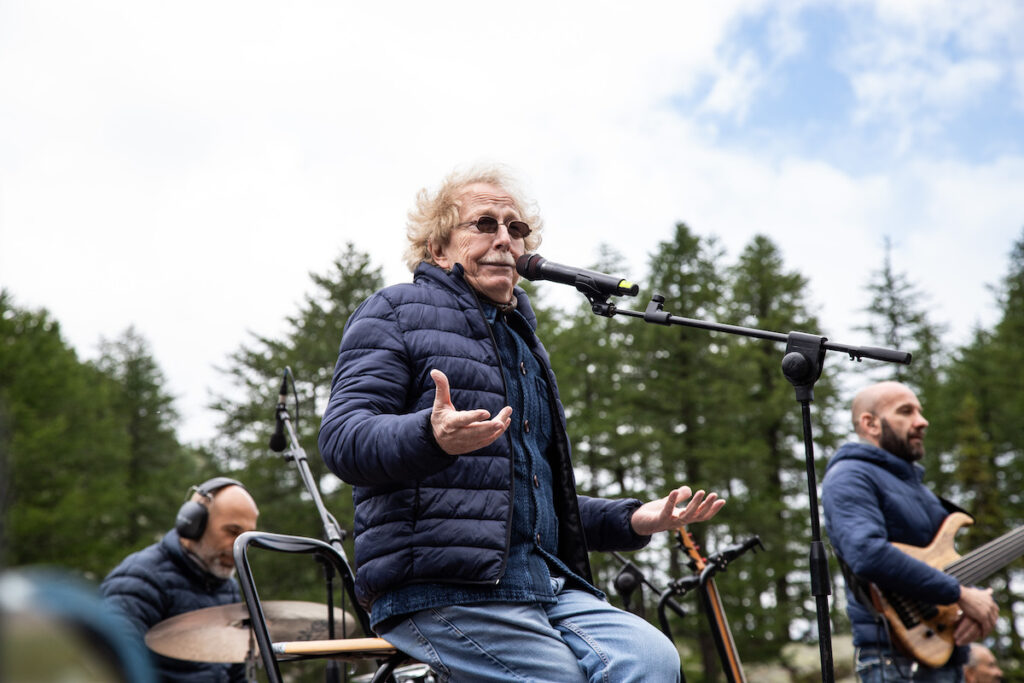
[
  {"x": 898, "y": 319},
  {"x": 653, "y": 407},
  {"x": 592, "y": 358},
  {"x": 309, "y": 347},
  {"x": 157, "y": 471},
  {"x": 85, "y": 482},
  {"x": 768, "y": 484},
  {"x": 92, "y": 467},
  {"x": 983, "y": 445}
]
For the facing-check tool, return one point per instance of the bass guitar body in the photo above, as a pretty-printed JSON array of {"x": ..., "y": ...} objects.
[{"x": 921, "y": 630}]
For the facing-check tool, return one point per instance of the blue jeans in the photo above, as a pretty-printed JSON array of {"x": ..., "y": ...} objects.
[
  {"x": 882, "y": 665},
  {"x": 580, "y": 639}
]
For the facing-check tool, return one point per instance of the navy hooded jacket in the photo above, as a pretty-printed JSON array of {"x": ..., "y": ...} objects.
[
  {"x": 871, "y": 498},
  {"x": 422, "y": 515},
  {"x": 160, "y": 582}
]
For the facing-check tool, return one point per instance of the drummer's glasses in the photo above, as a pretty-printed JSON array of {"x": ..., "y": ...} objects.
[{"x": 517, "y": 230}]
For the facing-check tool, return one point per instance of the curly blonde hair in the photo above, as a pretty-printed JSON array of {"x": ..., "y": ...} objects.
[{"x": 434, "y": 217}]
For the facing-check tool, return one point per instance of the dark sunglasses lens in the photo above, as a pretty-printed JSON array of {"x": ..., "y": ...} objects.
[
  {"x": 518, "y": 229},
  {"x": 487, "y": 224}
]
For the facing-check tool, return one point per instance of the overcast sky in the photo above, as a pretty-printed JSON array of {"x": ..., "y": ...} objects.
[{"x": 183, "y": 167}]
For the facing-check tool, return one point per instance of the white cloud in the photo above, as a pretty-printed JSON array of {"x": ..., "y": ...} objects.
[
  {"x": 924, "y": 62},
  {"x": 735, "y": 88},
  {"x": 185, "y": 167}
]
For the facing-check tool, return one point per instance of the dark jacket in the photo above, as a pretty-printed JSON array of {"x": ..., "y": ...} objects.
[
  {"x": 871, "y": 499},
  {"x": 423, "y": 515},
  {"x": 160, "y": 582}
]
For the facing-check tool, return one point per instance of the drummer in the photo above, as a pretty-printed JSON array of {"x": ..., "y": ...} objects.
[{"x": 191, "y": 568}]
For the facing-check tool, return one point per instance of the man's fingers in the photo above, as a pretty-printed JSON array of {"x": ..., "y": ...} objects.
[
  {"x": 693, "y": 505},
  {"x": 968, "y": 631},
  {"x": 473, "y": 437},
  {"x": 701, "y": 508},
  {"x": 462, "y": 431},
  {"x": 674, "y": 498},
  {"x": 504, "y": 417},
  {"x": 442, "y": 393},
  {"x": 465, "y": 418},
  {"x": 704, "y": 508},
  {"x": 710, "y": 508}
]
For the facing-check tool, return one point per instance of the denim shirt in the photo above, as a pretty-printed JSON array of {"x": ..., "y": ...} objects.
[{"x": 532, "y": 555}]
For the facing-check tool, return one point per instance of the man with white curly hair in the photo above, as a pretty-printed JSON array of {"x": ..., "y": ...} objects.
[{"x": 471, "y": 541}]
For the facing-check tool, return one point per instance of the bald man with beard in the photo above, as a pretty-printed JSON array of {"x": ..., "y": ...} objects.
[{"x": 873, "y": 495}]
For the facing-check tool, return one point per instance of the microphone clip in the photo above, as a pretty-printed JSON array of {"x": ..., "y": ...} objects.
[{"x": 599, "y": 303}]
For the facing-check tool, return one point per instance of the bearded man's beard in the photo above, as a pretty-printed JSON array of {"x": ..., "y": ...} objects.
[
  {"x": 210, "y": 558},
  {"x": 900, "y": 447}
]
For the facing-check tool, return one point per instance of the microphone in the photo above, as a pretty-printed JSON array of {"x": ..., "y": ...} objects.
[
  {"x": 277, "y": 440},
  {"x": 536, "y": 267}
]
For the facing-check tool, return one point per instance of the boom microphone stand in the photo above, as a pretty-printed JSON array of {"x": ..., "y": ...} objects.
[
  {"x": 332, "y": 530},
  {"x": 801, "y": 365}
]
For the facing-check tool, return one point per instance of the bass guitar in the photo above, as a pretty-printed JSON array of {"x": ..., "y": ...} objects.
[
  {"x": 924, "y": 631},
  {"x": 716, "y": 614}
]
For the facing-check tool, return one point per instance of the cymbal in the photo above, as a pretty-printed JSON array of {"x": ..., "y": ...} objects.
[{"x": 223, "y": 633}]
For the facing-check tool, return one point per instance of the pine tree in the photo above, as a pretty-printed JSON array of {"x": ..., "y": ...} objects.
[
  {"x": 159, "y": 469},
  {"x": 309, "y": 347},
  {"x": 66, "y": 449},
  {"x": 766, "y": 457},
  {"x": 975, "y": 426},
  {"x": 898, "y": 319},
  {"x": 595, "y": 361},
  {"x": 684, "y": 405},
  {"x": 976, "y": 477},
  {"x": 591, "y": 356}
]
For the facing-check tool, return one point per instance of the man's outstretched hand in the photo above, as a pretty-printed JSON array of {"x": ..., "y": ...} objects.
[
  {"x": 462, "y": 431},
  {"x": 664, "y": 514}
]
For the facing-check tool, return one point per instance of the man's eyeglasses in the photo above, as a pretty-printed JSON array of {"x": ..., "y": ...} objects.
[{"x": 517, "y": 230}]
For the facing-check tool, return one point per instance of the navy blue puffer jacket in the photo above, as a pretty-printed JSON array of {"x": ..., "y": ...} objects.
[
  {"x": 160, "y": 582},
  {"x": 423, "y": 515}
]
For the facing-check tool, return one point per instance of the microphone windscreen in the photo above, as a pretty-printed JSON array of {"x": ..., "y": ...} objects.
[{"x": 528, "y": 265}]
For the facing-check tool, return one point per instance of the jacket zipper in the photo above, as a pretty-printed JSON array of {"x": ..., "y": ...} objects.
[{"x": 511, "y": 460}]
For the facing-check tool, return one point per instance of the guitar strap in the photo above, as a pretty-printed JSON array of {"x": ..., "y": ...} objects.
[
  {"x": 952, "y": 507},
  {"x": 857, "y": 585}
]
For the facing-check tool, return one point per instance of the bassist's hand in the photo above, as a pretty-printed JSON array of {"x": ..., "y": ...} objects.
[
  {"x": 979, "y": 614},
  {"x": 967, "y": 631}
]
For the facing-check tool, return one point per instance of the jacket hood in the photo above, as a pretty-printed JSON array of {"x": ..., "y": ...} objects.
[{"x": 860, "y": 450}]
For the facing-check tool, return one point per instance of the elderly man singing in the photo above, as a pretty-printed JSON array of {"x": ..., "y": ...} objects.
[{"x": 444, "y": 416}]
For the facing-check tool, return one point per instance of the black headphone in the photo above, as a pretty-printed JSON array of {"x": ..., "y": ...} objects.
[{"x": 192, "y": 516}]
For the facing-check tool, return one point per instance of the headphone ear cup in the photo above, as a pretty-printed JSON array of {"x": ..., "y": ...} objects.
[{"x": 191, "y": 520}]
